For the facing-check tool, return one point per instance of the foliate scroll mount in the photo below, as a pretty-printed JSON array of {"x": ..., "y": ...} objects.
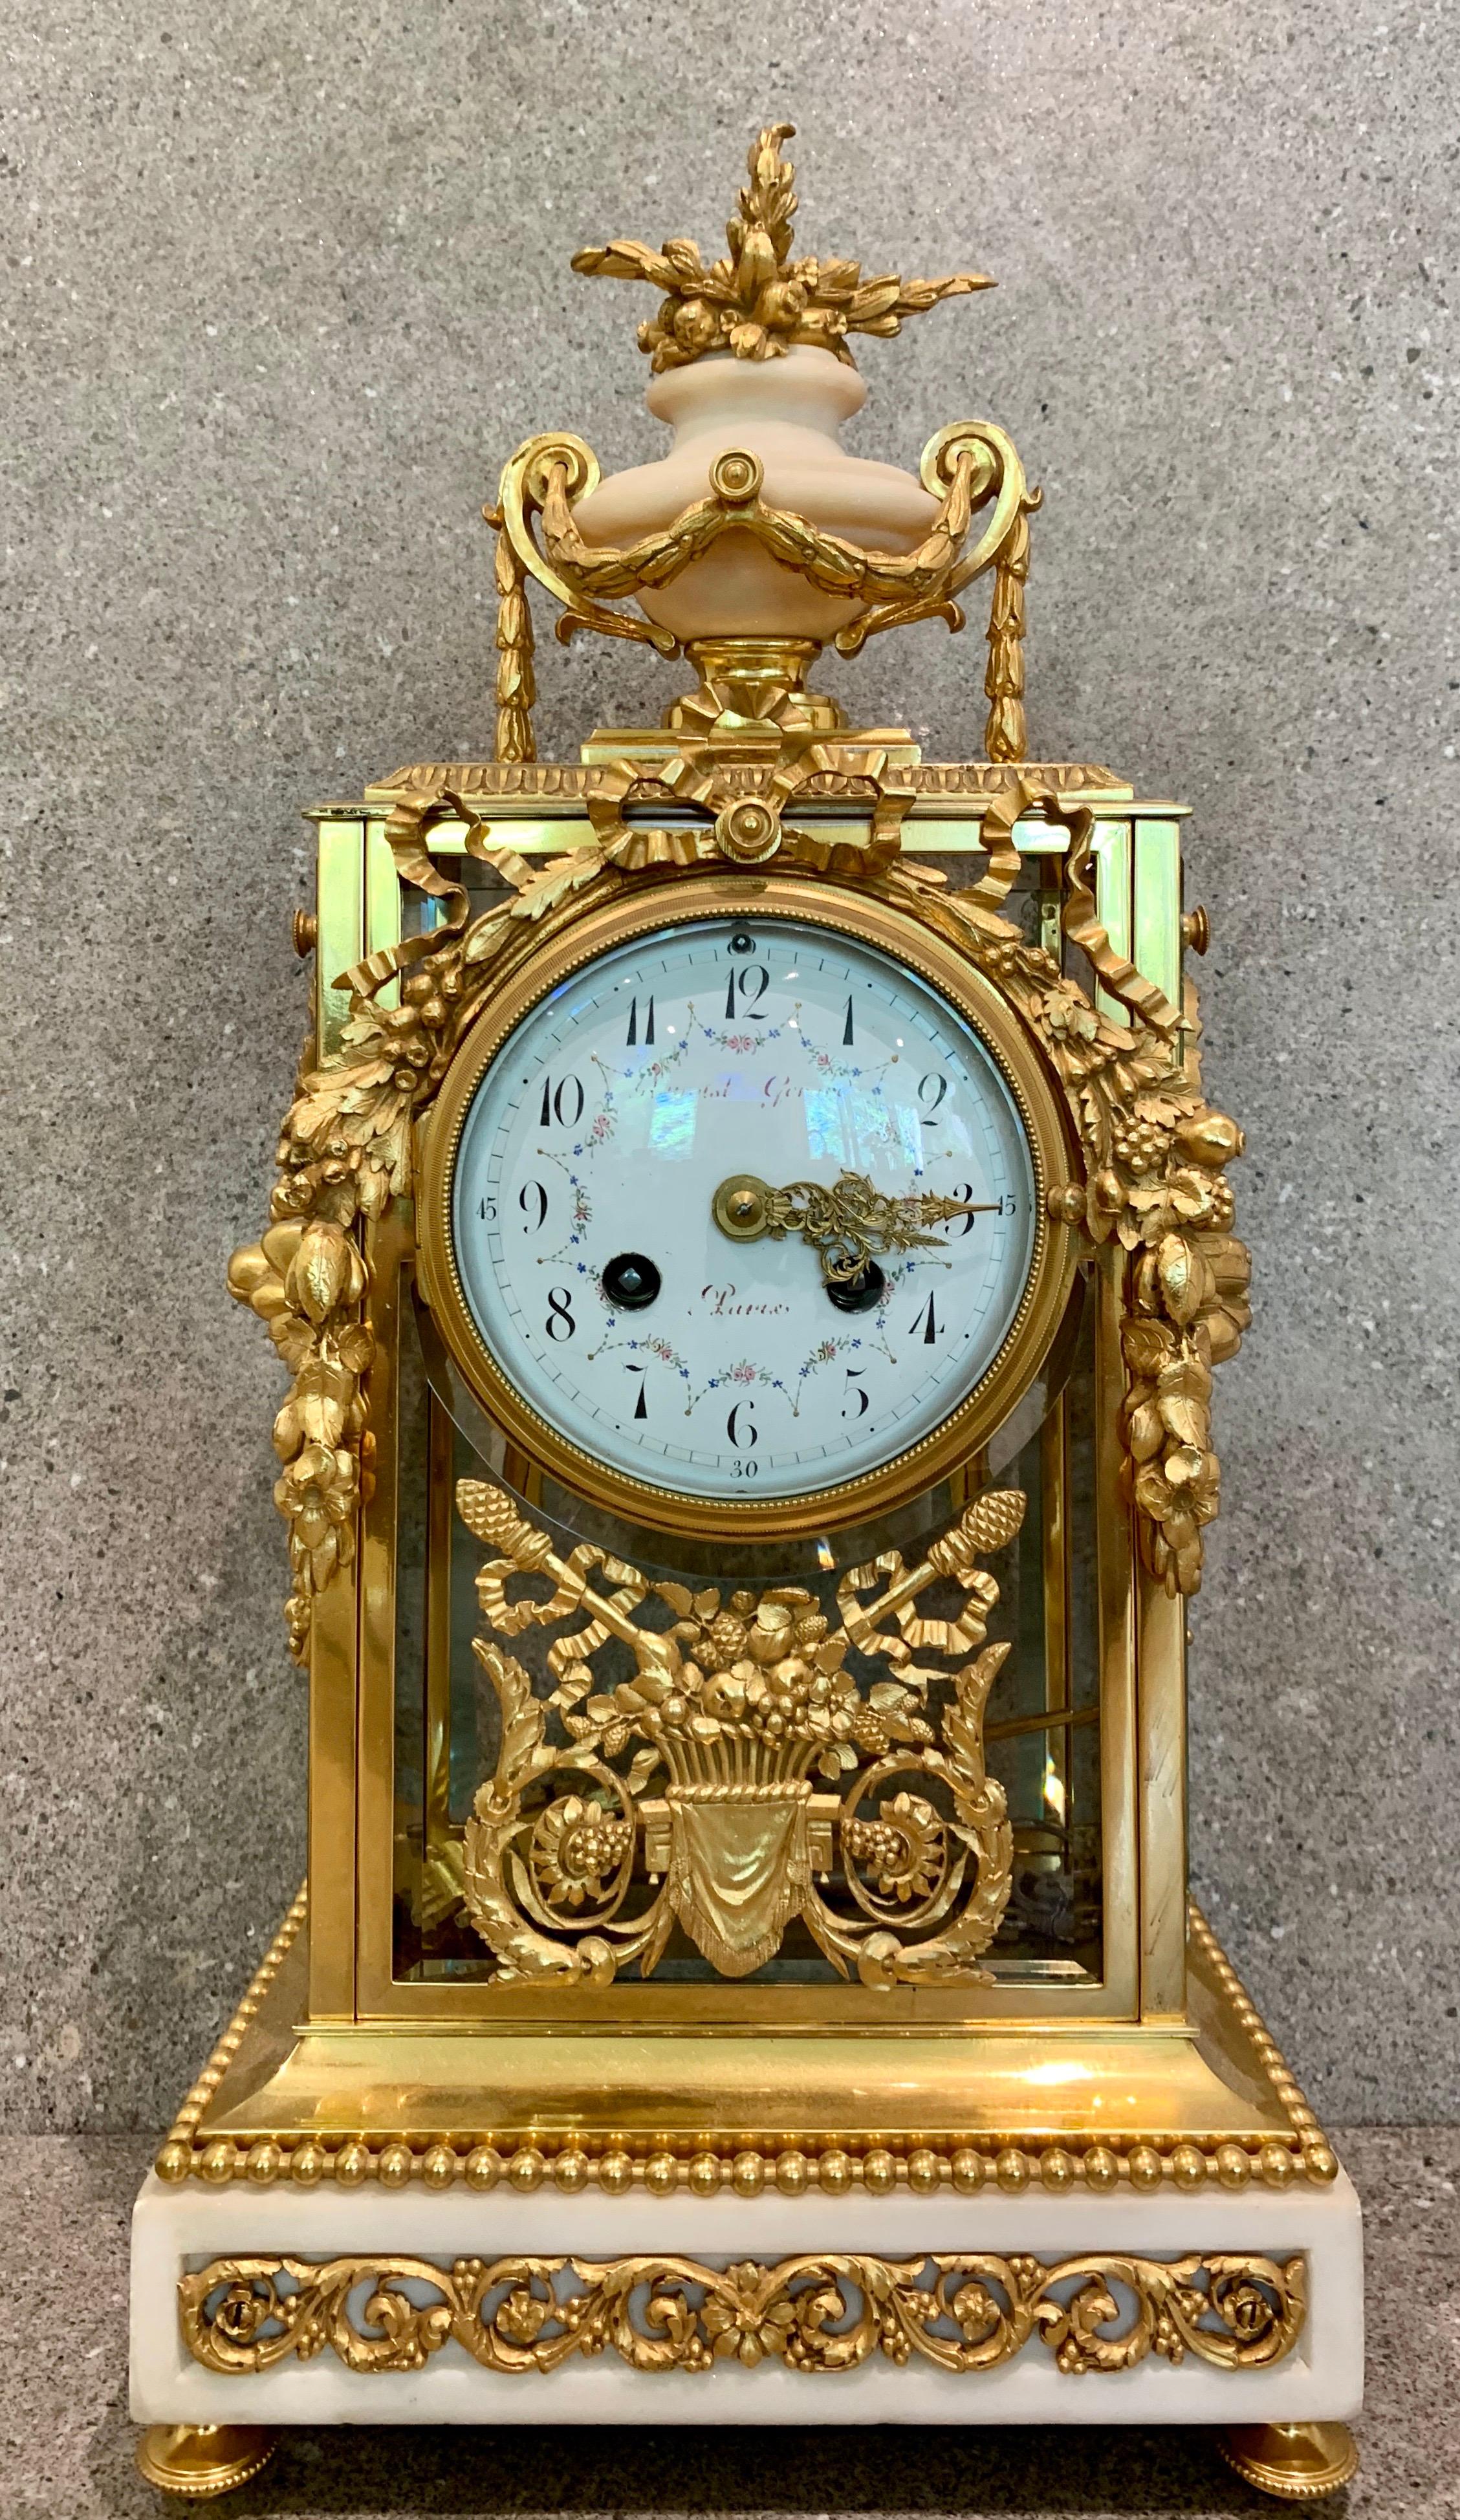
[
  {"x": 685, "y": 1794},
  {"x": 812, "y": 2315}
]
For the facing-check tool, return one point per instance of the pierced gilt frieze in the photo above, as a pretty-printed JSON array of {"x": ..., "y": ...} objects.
[
  {"x": 567, "y": 783},
  {"x": 687, "y": 1792},
  {"x": 1098, "y": 2313}
]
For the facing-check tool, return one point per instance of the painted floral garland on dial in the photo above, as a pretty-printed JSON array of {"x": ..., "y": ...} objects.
[{"x": 583, "y": 1207}]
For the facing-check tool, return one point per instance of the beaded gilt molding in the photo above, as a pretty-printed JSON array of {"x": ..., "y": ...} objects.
[
  {"x": 821, "y": 2313},
  {"x": 1014, "y": 2162}
]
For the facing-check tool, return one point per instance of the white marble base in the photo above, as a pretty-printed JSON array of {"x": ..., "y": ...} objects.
[{"x": 175, "y": 2227}]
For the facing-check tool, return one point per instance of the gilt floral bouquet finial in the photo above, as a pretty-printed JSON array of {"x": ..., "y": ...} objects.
[{"x": 757, "y": 302}]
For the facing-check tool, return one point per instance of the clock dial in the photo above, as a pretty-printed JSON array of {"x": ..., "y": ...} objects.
[{"x": 584, "y": 1219}]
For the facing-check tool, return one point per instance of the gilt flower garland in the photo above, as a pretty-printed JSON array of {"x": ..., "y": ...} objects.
[{"x": 757, "y": 303}]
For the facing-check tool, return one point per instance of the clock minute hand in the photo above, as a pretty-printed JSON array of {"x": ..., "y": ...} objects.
[{"x": 845, "y": 1223}]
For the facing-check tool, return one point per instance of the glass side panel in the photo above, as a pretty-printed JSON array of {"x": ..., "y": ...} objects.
[
  {"x": 1042, "y": 1734},
  {"x": 414, "y": 1407}
]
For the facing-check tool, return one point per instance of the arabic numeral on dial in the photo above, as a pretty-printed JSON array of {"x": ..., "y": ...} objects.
[
  {"x": 1008, "y": 1205},
  {"x": 633, "y": 1036},
  {"x": 563, "y": 1103},
  {"x": 741, "y": 1427},
  {"x": 926, "y": 1322},
  {"x": 854, "y": 1391},
  {"x": 532, "y": 1199},
  {"x": 641, "y": 1405},
  {"x": 560, "y": 1323},
  {"x": 486, "y": 1209},
  {"x": 932, "y": 1094},
  {"x": 744, "y": 991}
]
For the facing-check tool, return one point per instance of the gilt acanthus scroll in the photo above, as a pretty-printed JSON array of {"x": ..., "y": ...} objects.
[
  {"x": 1102, "y": 2312},
  {"x": 726, "y": 1709}
]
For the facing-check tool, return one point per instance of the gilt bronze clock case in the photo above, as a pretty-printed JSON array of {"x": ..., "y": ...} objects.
[{"x": 746, "y": 1928}]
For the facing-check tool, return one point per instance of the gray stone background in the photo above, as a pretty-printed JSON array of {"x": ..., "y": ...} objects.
[{"x": 283, "y": 286}]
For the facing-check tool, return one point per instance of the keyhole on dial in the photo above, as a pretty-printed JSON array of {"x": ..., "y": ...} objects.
[
  {"x": 861, "y": 1293},
  {"x": 631, "y": 1282}
]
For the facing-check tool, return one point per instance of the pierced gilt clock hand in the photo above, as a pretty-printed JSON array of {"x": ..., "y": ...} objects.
[{"x": 845, "y": 1224}]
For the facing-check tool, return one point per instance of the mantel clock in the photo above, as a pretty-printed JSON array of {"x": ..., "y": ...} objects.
[{"x": 751, "y": 1253}]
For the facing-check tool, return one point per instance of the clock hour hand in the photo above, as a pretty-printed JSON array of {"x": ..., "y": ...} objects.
[{"x": 845, "y": 1224}]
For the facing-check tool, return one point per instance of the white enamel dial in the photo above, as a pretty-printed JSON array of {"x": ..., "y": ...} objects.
[{"x": 597, "y": 1138}]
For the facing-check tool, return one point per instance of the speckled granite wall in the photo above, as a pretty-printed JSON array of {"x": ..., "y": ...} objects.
[{"x": 283, "y": 285}]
